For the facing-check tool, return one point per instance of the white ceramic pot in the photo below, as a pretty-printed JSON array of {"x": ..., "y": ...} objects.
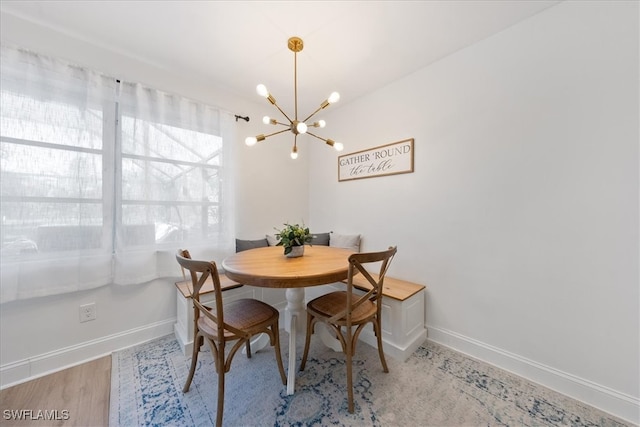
[{"x": 296, "y": 251}]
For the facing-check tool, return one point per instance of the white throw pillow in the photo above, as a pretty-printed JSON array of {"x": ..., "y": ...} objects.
[
  {"x": 347, "y": 241},
  {"x": 272, "y": 240}
]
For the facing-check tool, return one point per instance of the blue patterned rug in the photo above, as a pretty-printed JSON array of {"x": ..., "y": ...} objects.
[{"x": 434, "y": 387}]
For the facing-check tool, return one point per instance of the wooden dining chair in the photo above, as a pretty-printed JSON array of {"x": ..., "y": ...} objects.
[
  {"x": 236, "y": 321},
  {"x": 344, "y": 310}
]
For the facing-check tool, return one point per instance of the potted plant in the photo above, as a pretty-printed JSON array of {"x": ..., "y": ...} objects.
[{"x": 293, "y": 237}]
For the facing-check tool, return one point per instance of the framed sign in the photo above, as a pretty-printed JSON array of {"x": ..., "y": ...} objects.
[{"x": 390, "y": 159}]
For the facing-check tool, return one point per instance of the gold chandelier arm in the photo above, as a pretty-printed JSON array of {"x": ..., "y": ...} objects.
[
  {"x": 316, "y": 136},
  {"x": 294, "y": 150},
  {"x": 276, "y": 133},
  {"x": 280, "y": 109},
  {"x": 316, "y": 112},
  {"x": 334, "y": 97},
  {"x": 269, "y": 121},
  {"x": 336, "y": 145}
]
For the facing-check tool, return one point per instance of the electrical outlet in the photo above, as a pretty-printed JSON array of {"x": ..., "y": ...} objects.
[{"x": 88, "y": 312}]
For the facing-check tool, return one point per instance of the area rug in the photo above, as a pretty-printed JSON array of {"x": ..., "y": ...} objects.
[{"x": 436, "y": 386}]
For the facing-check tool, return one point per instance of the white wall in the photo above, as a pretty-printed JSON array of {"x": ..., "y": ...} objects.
[
  {"x": 522, "y": 214},
  {"x": 44, "y": 334}
]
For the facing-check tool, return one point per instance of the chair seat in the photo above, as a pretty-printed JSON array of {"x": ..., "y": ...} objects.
[
  {"x": 243, "y": 314},
  {"x": 330, "y": 304}
]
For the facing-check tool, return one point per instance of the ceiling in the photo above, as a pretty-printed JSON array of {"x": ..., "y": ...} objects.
[{"x": 352, "y": 47}]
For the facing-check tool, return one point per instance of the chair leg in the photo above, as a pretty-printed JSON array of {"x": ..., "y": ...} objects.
[
  {"x": 378, "y": 332},
  {"x": 220, "y": 394},
  {"x": 349, "y": 354},
  {"x": 276, "y": 334},
  {"x": 307, "y": 341},
  {"x": 249, "y": 349},
  {"x": 197, "y": 341}
]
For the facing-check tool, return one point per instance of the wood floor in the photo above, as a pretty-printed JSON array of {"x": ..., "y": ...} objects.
[{"x": 78, "y": 396}]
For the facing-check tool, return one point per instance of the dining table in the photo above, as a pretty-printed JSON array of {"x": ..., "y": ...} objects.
[{"x": 268, "y": 267}]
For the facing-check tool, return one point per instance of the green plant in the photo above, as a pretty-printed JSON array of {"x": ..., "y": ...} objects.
[{"x": 293, "y": 235}]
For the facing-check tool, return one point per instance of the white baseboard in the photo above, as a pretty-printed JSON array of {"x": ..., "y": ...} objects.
[
  {"x": 392, "y": 349},
  {"x": 57, "y": 360},
  {"x": 185, "y": 343},
  {"x": 606, "y": 399}
]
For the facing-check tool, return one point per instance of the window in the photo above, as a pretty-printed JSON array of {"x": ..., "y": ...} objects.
[
  {"x": 51, "y": 176},
  {"x": 171, "y": 179},
  {"x": 101, "y": 180}
]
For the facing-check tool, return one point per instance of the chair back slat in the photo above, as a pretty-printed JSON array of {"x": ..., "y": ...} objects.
[
  {"x": 200, "y": 272},
  {"x": 357, "y": 264}
]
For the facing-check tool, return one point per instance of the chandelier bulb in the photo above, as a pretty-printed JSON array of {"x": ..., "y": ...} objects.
[
  {"x": 262, "y": 91},
  {"x": 338, "y": 146},
  {"x": 319, "y": 124},
  {"x": 333, "y": 98},
  {"x": 251, "y": 141},
  {"x": 294, "y": 153},
  {"x": 301, "y": 127},
  {"x": 266, "y": 120}
]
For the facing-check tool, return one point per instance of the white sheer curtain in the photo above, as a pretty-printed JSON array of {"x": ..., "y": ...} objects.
[
  {"x": 101, "y": 181},
  {"x": 175, "y": 182}
]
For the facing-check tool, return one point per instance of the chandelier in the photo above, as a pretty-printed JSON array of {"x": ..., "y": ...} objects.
[{"x": 295, "y": 126}]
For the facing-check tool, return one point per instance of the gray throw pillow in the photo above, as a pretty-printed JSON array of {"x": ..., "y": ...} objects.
[
  {"x": 243, "y": 245},
  {"x": 320, "y": 239}
]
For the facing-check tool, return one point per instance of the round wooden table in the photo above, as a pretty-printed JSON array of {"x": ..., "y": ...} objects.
[{"x": 269, "y": 268}]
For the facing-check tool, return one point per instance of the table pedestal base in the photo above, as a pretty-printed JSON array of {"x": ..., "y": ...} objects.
[
  {"x": 295, "y": 325},
  {"x": 327, "y": 337}
]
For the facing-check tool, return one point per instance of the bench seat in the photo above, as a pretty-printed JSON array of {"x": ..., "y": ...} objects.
[
  {"x": 397, "y": 289},
  {"x": 184, "y": 287}
]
